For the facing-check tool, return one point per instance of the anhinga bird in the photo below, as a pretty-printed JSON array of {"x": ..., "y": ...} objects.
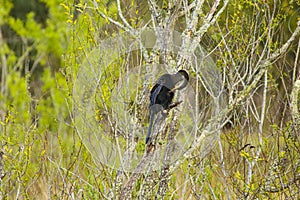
[{"x": 163, "y": 92}]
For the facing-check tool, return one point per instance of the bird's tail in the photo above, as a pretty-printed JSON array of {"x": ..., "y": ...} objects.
[{"x": 148, "y": 138}]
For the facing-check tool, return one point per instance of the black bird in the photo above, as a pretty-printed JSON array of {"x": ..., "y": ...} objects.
[{"x": 163, "y": 92}]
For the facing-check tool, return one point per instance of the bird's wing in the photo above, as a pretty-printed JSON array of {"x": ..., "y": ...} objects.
[{"x": 156, "y": 90}]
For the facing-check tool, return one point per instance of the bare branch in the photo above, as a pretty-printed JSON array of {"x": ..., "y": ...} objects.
[
  {"x": 296, "y": 63},
  {"x": 192, "y": 23},
  {"x": 214, "y": 126},
  {"x": 294, "y": 105},
  {"x": 209, "y": 20},
  {"x": 191, "y": 36},
  {"x": 122, "y": 16},
  {"x": 155, "y": 13},
  {"x": 123, "y": 27}
]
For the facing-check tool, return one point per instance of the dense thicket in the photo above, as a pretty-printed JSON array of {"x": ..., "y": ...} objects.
[{"x": 255, "y": 47}]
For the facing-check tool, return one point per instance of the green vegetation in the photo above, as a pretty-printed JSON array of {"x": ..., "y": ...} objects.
[{"x": 43, "y": 43}]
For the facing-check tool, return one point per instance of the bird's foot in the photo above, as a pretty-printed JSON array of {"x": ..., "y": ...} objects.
[
  {"x": 173, "y": 105},
  {"x": 150, "y": 147}
]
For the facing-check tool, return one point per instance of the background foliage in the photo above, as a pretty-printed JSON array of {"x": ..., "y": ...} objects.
[{"x": 42, "y": 44}]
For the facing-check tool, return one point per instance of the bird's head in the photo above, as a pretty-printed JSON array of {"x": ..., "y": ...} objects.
[{"x": 181, "y": 78}]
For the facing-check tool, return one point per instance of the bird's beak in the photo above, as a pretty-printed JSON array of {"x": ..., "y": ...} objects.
[
  {"x": 180, "y": 86},
  {"x": 175, "y": 88}
]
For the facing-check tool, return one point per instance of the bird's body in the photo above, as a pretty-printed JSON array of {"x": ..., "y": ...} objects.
[{"x": 162, "y": 94}]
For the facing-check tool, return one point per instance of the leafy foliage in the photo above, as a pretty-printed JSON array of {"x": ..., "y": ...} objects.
[{"x": 41, "y": 53}]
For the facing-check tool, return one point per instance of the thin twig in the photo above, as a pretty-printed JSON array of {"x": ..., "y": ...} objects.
[
  {"x": 218, "y": 121},
  {"x": 123, "y": 27}
]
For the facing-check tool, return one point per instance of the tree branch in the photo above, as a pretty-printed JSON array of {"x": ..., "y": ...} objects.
[
  {"x": 123, "y": 27},
  {"x": 218, "y": 121},
  {"x": 122, "y": 16},
  {"x": 294, "y": 105}
]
